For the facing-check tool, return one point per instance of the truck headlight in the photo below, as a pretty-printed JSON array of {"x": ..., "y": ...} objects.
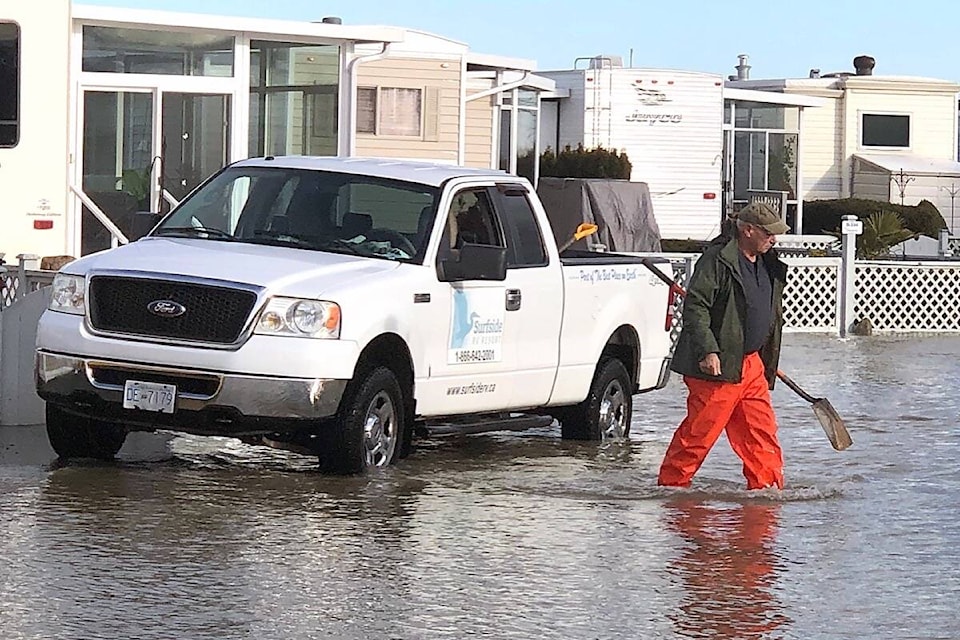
[
  {"x": 68, "y": 294},
  {"x": 295, "y": 317}
]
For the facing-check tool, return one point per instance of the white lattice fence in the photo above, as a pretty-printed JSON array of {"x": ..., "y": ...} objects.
[
  {"x": 13, "y": 277},
  {"x": 791, "y": 245},
  {"x": 9, "y": 281},
  {"x": 908, "y": 296},
  {"x": 811, "y": 299}
]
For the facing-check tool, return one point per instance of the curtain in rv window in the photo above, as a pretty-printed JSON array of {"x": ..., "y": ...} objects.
[{"x": 9, "y": 84}]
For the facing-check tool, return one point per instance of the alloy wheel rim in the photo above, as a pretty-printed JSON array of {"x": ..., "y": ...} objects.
[
  {"x": 380, "y": 430},
  {"x": 613, "y": 411}
]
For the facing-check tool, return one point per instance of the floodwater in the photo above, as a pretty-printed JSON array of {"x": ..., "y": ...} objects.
[{"x": 513, "y": 535}]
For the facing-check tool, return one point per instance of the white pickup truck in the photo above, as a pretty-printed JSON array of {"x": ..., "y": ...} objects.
[{"x": 337, "y": 306}]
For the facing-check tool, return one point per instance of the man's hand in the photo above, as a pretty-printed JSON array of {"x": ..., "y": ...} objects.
[{"x": 710, "y": 364}]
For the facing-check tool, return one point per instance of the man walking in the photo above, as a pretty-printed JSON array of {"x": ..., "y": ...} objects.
[{"x": 728, "y": 352}]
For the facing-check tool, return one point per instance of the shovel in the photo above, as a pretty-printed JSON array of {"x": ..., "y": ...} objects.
[{"x": 829, "y": 419}]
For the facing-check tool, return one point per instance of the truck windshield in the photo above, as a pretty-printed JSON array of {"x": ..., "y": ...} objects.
[{"x": 307, "y": 209}]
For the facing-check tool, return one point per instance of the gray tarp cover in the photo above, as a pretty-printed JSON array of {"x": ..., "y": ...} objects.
[{"x": 622, "y": 210}]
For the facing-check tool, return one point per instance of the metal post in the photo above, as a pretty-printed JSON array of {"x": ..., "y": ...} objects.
[
  {"x": 953, "y": 191},
  {"x": 28, "y": 262},
  {"x": 851, "y": 227},
  {"x": 943, "y": 245}
]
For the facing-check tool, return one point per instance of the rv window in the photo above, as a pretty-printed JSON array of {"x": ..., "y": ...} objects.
[{"x": 9, "y": 84}]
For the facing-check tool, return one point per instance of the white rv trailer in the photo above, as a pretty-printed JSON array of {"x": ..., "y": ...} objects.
[
  {"x": 34, "y": 126},
  {"x": 669, "y": 123}
]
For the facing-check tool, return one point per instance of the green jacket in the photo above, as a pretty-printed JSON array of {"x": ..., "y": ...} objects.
[{"x": 714, "y": 310}]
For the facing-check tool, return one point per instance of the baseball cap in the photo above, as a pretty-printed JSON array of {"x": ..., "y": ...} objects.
[{"x": 763, "y": 215}]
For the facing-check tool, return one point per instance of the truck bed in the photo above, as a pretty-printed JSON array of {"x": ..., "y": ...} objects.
[{"x": 580, "y": 257}]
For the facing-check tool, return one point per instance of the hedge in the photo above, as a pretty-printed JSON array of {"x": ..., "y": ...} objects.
[
  {"x": 585, "y": 163},
  {"x": 824, "y": 216}
]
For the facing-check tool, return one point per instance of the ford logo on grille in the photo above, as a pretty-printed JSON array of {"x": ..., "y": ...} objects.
[{"x": 166, "y": 308}]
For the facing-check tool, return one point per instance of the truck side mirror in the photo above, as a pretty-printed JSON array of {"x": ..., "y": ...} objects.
[
  {"x": 474, "y": 262},
  {"x": 141, "y": 223}
]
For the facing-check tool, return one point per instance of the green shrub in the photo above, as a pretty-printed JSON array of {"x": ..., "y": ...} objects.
[
  {"x": 824, "y": 216},
  {"x": 881, "y": 231},
  {"x": 585, "y": 163}
]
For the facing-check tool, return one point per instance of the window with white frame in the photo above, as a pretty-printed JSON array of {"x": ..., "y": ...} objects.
[
  {"x": 390, "y": 111},
  {"x": 9, "y": 84},
  {"x": 884, "y": 130}
]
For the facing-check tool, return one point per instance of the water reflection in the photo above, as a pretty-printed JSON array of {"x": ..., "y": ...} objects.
[
  {"x": 216, "y": 552},
  {"x": 728, "y": 568}
]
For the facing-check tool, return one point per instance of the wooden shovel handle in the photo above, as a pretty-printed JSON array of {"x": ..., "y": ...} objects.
[{"x": 795, "y": 387}]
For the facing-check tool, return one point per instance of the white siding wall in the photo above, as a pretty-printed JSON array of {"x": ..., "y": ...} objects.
[
  {"x": 571, "y": 109},
  {"x": 440, "y": 139},
  {"x": 831, "y": 134},
  {"x": 479, "y": 127},
  {"x": 933, "y": 125},
  {"x": 821, "y": 151}
]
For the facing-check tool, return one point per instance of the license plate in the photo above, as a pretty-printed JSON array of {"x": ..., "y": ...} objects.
[{"x": 149, "y": 396}]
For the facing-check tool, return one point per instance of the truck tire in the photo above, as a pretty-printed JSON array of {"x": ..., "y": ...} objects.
[
  {"x": 606, "y": 412},
  {"x": 370, "y": 427},
  {"x": 79, "y": 437}
]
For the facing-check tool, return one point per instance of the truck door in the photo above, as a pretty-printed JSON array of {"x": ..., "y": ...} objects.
[
  {"x": 482, "y": 358},
  {"x": 470, "y": 367},
  {"x": 534, "y": 298}
]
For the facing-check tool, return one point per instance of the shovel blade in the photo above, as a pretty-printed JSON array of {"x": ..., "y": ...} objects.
[{"x": 832, "y": 424}]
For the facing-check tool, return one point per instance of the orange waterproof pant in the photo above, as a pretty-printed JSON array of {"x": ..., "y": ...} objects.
[{"x": 744, "y": 410}]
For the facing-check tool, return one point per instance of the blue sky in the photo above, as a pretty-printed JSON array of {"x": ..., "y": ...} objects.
[{"x": 783, "y": 39}]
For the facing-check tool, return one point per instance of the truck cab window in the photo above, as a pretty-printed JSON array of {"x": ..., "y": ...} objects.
[
  {"x": 472, "y": 219},
  {"x": 525, "y": 243},
  {"x": 9, "y": 84}
]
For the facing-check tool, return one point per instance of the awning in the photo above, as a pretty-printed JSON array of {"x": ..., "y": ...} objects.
[
  {"x": 256, "y": 26},
  {"x": 910, "y": 163},
  {"x": 774, "y": 97}
]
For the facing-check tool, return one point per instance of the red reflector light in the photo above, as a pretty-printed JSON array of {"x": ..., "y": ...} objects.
[
  {"x": 43, "y": 224},
  {"x": 709, "y": 196}
]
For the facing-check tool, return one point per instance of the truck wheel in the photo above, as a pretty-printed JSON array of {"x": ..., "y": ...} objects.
[
  {"x": 369, "y": 429},
  {"x": 606, "y": 412},
  {"x": 79, "y": 437}
]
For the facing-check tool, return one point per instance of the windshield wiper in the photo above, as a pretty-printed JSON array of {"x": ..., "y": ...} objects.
[
  {"x": 191, "y": 230},
  {"x": 301, "y": 242},
  {"x": 339, "y": 243},
  {"x": 280, "y": 239}
]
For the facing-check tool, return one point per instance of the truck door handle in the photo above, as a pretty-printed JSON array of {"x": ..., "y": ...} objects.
[{"x": 513, "y": 299}]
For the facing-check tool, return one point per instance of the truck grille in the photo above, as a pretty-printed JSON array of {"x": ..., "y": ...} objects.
[{"x": 212, "y": 314}]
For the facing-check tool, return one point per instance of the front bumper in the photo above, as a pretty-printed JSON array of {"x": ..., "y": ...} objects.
[{"x": 209, "y": 403}]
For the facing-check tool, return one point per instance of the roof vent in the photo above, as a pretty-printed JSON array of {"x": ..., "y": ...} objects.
[
  {"x": 743, "y": 69},
  {"x": 864, "y": 65},
  {"x": 332, "y": 20}
]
